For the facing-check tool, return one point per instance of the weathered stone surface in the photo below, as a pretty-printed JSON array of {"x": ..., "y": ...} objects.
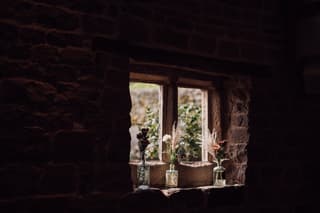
[
  {"x": 64, "y": 39},
  {"x": 18, "y": 180},
  {"x": 52, "y": 17},
  {"x": 114, "y": 177},
  {"x": 58, "y": 179},
  {"x": 236, "y": 172},
  {"x": 44, "y": 53},
  {"x": 9, "y": 32},
  {"x": 144, "y": 199},
  {"x": 26, "y": 91},
  {"x": 239, "y": 135},
  {"x": 166, "y": 36},
  {"x": 77, "y": 56},
  {"x": 188, "y": 199},
  {"x": 203, "y": 44},
  {"x": 25, "y": 14},
  {"x": 134, "y": 29},
  {"x": 47, "y": 203},
  {"x": 33, "y": 36},
  {"x": 226, "y": 197},
  {"x": 238, "y": 152},
  {"x": 240, "y": 107},
  {"x": 240, "y": 95},
  {"x": 227, "y": 49},
  {"x": 239, "y": 120},
  {"x": 14, "y": 49},
  {"x": 92, "y": 24},
  {"x": 73, "y": 145}
]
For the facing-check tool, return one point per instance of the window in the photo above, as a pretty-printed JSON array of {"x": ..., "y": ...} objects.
[
  {"x": 158, "y": 101},
  {"x": 192, "y": 120},
  {"x": 145, "y": 112},
  {"x": 202, "y": 99}
]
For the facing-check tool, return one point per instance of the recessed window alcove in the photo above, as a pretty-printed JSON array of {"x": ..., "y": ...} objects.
[{"x": 222, "y": 93}]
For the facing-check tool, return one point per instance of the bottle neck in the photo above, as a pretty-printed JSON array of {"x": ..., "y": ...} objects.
[{"x": 171, "y": 166}]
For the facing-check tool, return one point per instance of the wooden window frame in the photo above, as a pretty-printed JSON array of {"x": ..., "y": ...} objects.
[{"x": 169, "y": 93}]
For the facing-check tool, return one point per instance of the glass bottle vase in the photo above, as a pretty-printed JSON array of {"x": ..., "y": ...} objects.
[
  {"x": 143, "y": 172},
  {"x": 171, "y": 176},
  {"x": 143, "y": 175},
  {"x": 219, "y": 179}
]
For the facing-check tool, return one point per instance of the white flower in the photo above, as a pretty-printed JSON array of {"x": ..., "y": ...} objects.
[{"x": 166, "y": 138}]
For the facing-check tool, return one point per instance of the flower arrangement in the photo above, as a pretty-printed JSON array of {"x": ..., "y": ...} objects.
[
  {"x": 143, "y": 171},
  {"x": 216, "y": 148},
  {"x": 143, "y": 141},
  {"x": 172, "y": 142}
]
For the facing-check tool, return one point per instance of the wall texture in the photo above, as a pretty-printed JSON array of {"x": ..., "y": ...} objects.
[{"x": 64, "y": 96}]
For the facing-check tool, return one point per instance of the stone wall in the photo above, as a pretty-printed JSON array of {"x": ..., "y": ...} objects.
[{"x": 64, "y": 96}]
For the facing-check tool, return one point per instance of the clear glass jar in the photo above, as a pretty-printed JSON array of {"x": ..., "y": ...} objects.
[
  {"x": 143, "y": 175},
  {"x": 171, "y": 177},
  {"x": 219, "y": 179}
]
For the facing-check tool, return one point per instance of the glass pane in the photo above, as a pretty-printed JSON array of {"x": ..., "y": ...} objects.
[
  {"x": 190, "y": 123},
  {"x": 145, "y": 112}
]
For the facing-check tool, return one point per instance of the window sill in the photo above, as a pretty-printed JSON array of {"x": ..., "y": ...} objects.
[
  {"x": 195, "y": 174},
  {"x": 195, "y": 197},
  {"x": 169, "y": 191}
]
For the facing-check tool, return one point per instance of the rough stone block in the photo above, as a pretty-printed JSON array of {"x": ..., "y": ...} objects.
[
  {"x": 9, "y": 8},
  {"x": 239, "y": 135},
  {"x": 18, "y": 180},
  {"x": 76, "y": 56},
  {"x": 58, "y": 179},
  {"x": 27, "y": 91},
  {"x": 252, "y": 52},
  {"x": 44, "y": 53},
  {"x": 15, "y": 50},
  {"x": 228, "y": 196},
  {"x": 240, "y": 107},
  {"x": 32, "y": 36},
  {"x": 64, "y": 39},
  {"x": 48, "y": 203},
  {"x": 73, "y": 145},
  {"x": 53, "y": 17},
  {"x": 134, "y": 29},
  {"x": 24, "y": 145},
  {"x": 144, "y": 199},
  {"x": 238, "y": 152},
  {"x": 228, "y": 49},
  {"x": 166, "y": 36},
  {"x": 92, "y": 24},
  {"x": 203, "y": 44},
  {"x": 8, "y": 32},
  {"x": 188, "y": 199},
  {"x": 239, "y": 120}
]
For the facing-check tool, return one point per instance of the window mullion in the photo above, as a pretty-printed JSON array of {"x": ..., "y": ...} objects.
[
  {"x": 170, "y": 111},
  {"x": 204, "y": 119}
]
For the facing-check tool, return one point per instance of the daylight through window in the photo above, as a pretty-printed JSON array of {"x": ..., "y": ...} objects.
[
  {"x": 157, "y": 103},
  {"x": 145, "y": 112}
]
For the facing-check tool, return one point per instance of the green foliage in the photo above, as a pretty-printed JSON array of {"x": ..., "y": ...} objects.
[{"x": 190, "y": 122}]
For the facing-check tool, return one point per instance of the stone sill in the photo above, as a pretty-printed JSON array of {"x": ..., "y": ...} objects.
[
  {"x": 189, "y": 164},
  {"x": 194, "y": 198},
  {"x": 169, "y": 191}
]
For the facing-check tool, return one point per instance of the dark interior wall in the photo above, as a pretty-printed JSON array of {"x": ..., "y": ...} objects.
[{"x": 65, "y": 101}]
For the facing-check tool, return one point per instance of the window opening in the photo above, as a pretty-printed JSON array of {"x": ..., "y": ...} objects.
[
  {"x": 146, "y": 111},
  {"x": 192, "y": 121}
]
